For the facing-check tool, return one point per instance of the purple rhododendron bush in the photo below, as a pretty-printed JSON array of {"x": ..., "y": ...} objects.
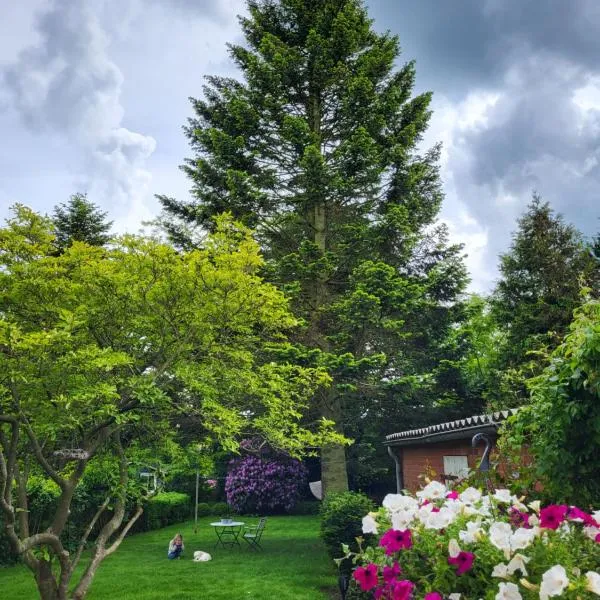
[
  {"x": 264, "y": 485},
  {"x": 445, "y": 545}
]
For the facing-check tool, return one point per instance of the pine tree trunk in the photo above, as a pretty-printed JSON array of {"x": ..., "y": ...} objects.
[{"x": 334, "y": 477}]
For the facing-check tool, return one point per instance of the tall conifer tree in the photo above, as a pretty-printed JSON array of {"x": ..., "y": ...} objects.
[{"x": 316, "y": 147}]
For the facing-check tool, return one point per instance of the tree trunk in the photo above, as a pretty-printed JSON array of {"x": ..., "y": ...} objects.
[
  {"x": 46, "y": 583},
  {"x": 334, "y": 477}
]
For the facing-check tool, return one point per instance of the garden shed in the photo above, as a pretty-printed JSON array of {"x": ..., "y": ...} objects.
[{"x": 446, "y": 448}]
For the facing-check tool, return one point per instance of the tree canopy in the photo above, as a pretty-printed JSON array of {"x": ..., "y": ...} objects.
[
  {"x": 100, "y": 349},
  {"x": 316, "y": 146}
]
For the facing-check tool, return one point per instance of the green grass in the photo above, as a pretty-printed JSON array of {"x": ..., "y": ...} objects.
[{"x": 292, "y": 565}]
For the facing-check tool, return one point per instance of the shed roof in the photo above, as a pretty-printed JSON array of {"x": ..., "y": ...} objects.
[{"x": 458, "y": 429}]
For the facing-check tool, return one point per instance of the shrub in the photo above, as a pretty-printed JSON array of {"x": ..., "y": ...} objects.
[
  {"x": 264, "y": 485},
  {"x": 307, "y": 507},
  {"x": 165, "y": 509},
  {"x": 341, "y": 521},
  {"x": 220, "y": 509},
  {"x": 204, "y": 509}
]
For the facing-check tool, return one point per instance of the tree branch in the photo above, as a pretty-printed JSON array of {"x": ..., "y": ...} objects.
[
  {"x": 125, "y": 531},
  {"x": 88, "y": 530}
]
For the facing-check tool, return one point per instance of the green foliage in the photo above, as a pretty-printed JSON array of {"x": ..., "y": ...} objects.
[
  {"x": 105, "y": 349},
  {"x": 341, "y": 520},
  {"x": 166, "y": 508},
  {"x": 306, "y": 507},
  {"x": 316, "y": 146},
  {"x": 79, "y": 220},
  {"x": 542, "y": 275},
  {"x": 561, "y": 424}
]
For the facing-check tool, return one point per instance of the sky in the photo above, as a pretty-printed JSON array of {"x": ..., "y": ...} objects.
[{"x": 94, "y": 94}]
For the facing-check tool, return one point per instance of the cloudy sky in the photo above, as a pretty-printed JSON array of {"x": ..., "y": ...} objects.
[{"x": 93, "y": 94}]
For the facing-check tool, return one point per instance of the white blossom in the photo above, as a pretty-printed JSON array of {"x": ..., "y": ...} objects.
[
  {"x": 402, "y": 519},
  {"x": 535, "y": 506},
  {"x": 591, "y": 532},
  {"x": 369, "y": 525},
  {"x": 508, "y": 591},
  {"x": 433, "y": 491},
  {"x": 501, "y": 570},
  {"x": 503, "y": 496},
  {"x": 517, "y": 563},
  {"x": 454, "y": 596},
  {"x": 453, "y": 548},
  {"x": 522, "y": 538},
  {"x": 500, "y": 534},
  {"x": 398, "y": 502},
  {"x": 470, "y": 535},
  {"x": 470, "y": 496},
  {"x": 593, "y": 582},
  {"x": 554, "y": 582}
]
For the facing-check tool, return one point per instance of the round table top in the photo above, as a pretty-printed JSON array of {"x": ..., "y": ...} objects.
[{"x": 232, "y": 524}]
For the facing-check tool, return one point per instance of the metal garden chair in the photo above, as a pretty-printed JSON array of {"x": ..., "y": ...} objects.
[{"x": 253, "y": 533}]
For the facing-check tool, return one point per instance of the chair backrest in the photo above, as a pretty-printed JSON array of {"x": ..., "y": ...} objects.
[{"x": 260, "y": 527}]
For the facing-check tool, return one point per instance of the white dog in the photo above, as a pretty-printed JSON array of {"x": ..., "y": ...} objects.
[{"x": 200, "y": 556}]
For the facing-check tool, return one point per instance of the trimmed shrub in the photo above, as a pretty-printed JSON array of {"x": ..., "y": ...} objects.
[
  {"x": 307, "y": 507},
  {"x": 220, "y": 509},
  {"x": 341, "y": 522},
  {"x": 264, "y": 485},
  {"x": 166, "y": 508}
]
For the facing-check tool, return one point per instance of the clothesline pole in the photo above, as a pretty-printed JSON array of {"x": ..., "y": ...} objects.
[{"x": 196, "y": 506}]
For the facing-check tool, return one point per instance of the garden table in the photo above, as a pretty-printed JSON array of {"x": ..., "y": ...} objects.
[{"x": 228, "y": 533}]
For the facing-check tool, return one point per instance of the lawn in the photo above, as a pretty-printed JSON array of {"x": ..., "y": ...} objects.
[{"x": 292, "y": 565}]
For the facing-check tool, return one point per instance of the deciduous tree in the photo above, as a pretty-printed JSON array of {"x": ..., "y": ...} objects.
[{"x": 101, "y": 348}]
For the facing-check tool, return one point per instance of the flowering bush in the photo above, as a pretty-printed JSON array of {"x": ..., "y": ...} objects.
[
  {"x": 264, "y": 485},
  {"x": 445, "y": 545}
]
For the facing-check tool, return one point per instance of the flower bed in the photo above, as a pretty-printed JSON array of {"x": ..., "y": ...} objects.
[{"x": 444, "y": 545}]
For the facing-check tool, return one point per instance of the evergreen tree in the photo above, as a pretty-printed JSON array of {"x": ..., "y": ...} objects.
[
  {"x": 79, "y": 220},
  {"x": 542, "y": 276},
  {"x": 316, "y": 148}
]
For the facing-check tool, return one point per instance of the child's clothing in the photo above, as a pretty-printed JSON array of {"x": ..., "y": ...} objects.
[{"x": 175, "y": 550}]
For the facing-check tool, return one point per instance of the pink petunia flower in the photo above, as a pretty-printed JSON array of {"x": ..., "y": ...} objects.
[
  {"x": 576, "y": 514},
  {"x": 393, "y": 540},
  {"x": 390, "y": 573},
  {"x": 519, "y": 518},
  {"x": 463, "y": 562},
  {"x": 402, "y": 590},
  {"x": 597, "y": 538},
  {"x": 453, "y": 495},
  {"x": 552, "y": 516},
  {"x": 433, "y": 596},
  {"x": 366, "y": 577}
]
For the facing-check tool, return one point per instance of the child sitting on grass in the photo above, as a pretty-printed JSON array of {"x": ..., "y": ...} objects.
[{"x": 175, "y": 547}]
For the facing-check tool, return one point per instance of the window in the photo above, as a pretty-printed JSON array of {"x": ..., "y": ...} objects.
[{"x": 455, "y": 467}]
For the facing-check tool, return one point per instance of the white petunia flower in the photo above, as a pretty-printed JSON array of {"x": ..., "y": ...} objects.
[
  {"x": 433, "y": 491},
  {"x": 535, "y": 506},
  {"x": 591, "y": 532},
  {"x": 517, "y": 563},
  {"x": 503, "y": 496},
  {"x": 596, "y": 516},
  {"x": 508, "y": 591},
  {"x": 593, "y": 582},
  {"x": 398, "y": 502},
  {"x": 534, "y": 520},
  {"x": 454, "y": 596},
  {"x": 453, "y": 548},
  {"x": 522, "y": 538},
  {"x": 470, "y": 496},
  {"x": 369, "y": 525},
  {"x": 500, "y": 534},
  {"x": 501, "y": 570},
  {"x": 402, "y": 519},
  {"x": 440, "y": 519},
  {"x": 554, "y": 582},
  {"x": 472, "y": 533}
]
